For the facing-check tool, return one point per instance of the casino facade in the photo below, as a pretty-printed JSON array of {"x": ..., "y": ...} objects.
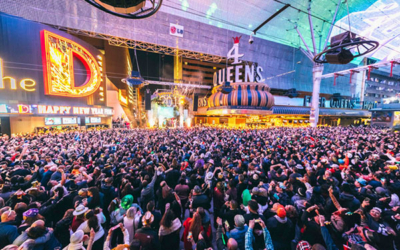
[
  {"x": 59, "y": 77},
  {"x": 49, "y": 80}
]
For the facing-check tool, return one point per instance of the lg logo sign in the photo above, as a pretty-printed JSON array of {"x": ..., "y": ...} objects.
[{"x": 175, "y": 30}]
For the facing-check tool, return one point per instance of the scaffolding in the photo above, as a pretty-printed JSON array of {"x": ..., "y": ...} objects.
[{"x": 144, "y": 46}]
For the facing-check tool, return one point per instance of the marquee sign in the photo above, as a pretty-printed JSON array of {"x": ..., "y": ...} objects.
[
  {"x": 58, "y": 54},
  {"x": 343, "y": 103},
  {"x": 238, "y": 72},
  {"x": 53, "y": 109}
]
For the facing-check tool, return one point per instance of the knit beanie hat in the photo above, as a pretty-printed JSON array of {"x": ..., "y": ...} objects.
[{"x": 281, "y": 213}]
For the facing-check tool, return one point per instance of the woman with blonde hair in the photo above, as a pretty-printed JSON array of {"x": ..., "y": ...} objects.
[{"x": 131, "y": 221}]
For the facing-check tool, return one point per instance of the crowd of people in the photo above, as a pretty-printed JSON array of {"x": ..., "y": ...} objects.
[{"x": 201, "y": 188}]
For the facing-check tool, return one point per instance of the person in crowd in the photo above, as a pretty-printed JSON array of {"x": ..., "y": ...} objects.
[
  {"x": 131, "y": 221},
  {"x": 239, "y": 232},
  {"x": 8, "y": 231},
  {"x": 94, "y": 220},
  {"x": 273, "y": 188},
  {"x": 147, "y": 236},
  {"x": 281, "y": 229},
  {"x": 170, "y": 226},
  {"x": 63, "y": 227}
]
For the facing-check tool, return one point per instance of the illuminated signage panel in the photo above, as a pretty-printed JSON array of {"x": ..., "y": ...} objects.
[
  {"x": 52, "y": 121},
  {"x": 57, "y": 54},
  {"x": 95, "y": 119},
  {"x": 50, "y": 109},
  {"x": 122, "y": 97},
  {"x": 69, "y": 120}
]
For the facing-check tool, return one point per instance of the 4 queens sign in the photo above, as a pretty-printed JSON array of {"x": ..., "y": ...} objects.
[{"x": 238, "y": 72}]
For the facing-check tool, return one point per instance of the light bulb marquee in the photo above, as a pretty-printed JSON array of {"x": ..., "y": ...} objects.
[{"x": 57, "y": 54}]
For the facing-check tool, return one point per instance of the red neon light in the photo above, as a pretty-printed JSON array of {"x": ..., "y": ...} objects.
[
  {"x": 369, "y": 72},
  {"x": 57, "y": 57}
]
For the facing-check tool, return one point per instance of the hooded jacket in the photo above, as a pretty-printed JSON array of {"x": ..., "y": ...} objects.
[
  {"x": 281, "y": 230},
  {"x": 238, "y": 233},
  {"x": 349, "y": 201}
]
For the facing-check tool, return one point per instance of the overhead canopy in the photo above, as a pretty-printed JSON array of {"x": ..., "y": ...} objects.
[{"x": 245, "y": 16}]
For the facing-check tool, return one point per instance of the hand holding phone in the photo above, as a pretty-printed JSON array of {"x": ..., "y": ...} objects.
[{"x": 190, "y": 236}]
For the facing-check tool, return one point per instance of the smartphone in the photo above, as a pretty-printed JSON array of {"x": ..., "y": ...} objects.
[
  {"x": 190, "y": 236},
  {"x": 227, "y": 224},
  {"x": 257, "y": 221},
  {"x": 114, "y": 227}
]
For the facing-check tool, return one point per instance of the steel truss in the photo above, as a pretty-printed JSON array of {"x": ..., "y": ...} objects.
[
  {"x": 369, "y": 68},
  {"x": 144, "y": 46}
]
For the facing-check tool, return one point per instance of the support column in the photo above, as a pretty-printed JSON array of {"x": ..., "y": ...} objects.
[
  {"x": 314, "y": 111},
  {"x": 178, "y": 74},
  {"x": 181, "y": 120},
  {"x": 362, "y": 89}
]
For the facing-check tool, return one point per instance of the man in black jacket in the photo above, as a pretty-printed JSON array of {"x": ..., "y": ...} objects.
[
  {"x": 281, "y": 229},
  {"x": 200, "y": 199},
  {"x": 228, "y": 212},
  {"x": 147, "y": 236}
]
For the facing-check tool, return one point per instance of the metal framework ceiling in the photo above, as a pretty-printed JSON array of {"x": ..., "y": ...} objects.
[
  {"x": 379, "y": 22},
  {"x": 132, "y": 44},
  {"x": 244, "y": 16}
]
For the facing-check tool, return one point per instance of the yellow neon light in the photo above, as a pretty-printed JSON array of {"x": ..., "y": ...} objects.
[
  {"x": 58, "y": 54},
  {"x": 13, "y": 83},
  {"x": 121, "y": 98},
  {"x": 24, "y": 85}
]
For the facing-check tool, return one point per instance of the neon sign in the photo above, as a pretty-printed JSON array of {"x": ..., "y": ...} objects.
[
  {"x": 58, "y": 69},
  {"x": 26, "y": 84},
  {"x": 122, "y": 97},
  {"x": 235, "y": 73},
  {"x": 67, "y": 110}
]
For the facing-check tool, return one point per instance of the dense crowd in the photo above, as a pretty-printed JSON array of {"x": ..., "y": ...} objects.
[{"x": 200, "y": 188}]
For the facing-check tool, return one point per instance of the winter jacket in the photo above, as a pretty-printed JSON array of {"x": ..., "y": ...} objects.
[
  {"x": 267, "y": 239},
  {"x": 349, "y": 201},
  {"x": 8, "y": 233},
  {"x": 148, "y": 239},
  {"x": 147, "y": 193},
  {"x": 40, "y": 243},
  {"x": 281, "y": 232},
  {"x": 238, "y": 233},
  {"x": 85, "y": 227},
  {"x": 61, "y": 231},
  {"x": 201, "y": 201},
  {"x": 169, "y": 237}
]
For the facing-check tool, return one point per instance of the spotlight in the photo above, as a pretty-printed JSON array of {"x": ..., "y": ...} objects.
[
  {"x": 251, "y": 40},
  {"x": 132, "y": 9}
]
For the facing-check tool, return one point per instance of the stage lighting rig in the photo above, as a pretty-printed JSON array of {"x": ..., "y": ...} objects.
[
  {"x": 131, "y": 9},
  {"x": 344, "y": 48}
]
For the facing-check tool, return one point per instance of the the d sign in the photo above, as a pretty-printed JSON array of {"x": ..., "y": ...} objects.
[{"x": 57, "y": 54}]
